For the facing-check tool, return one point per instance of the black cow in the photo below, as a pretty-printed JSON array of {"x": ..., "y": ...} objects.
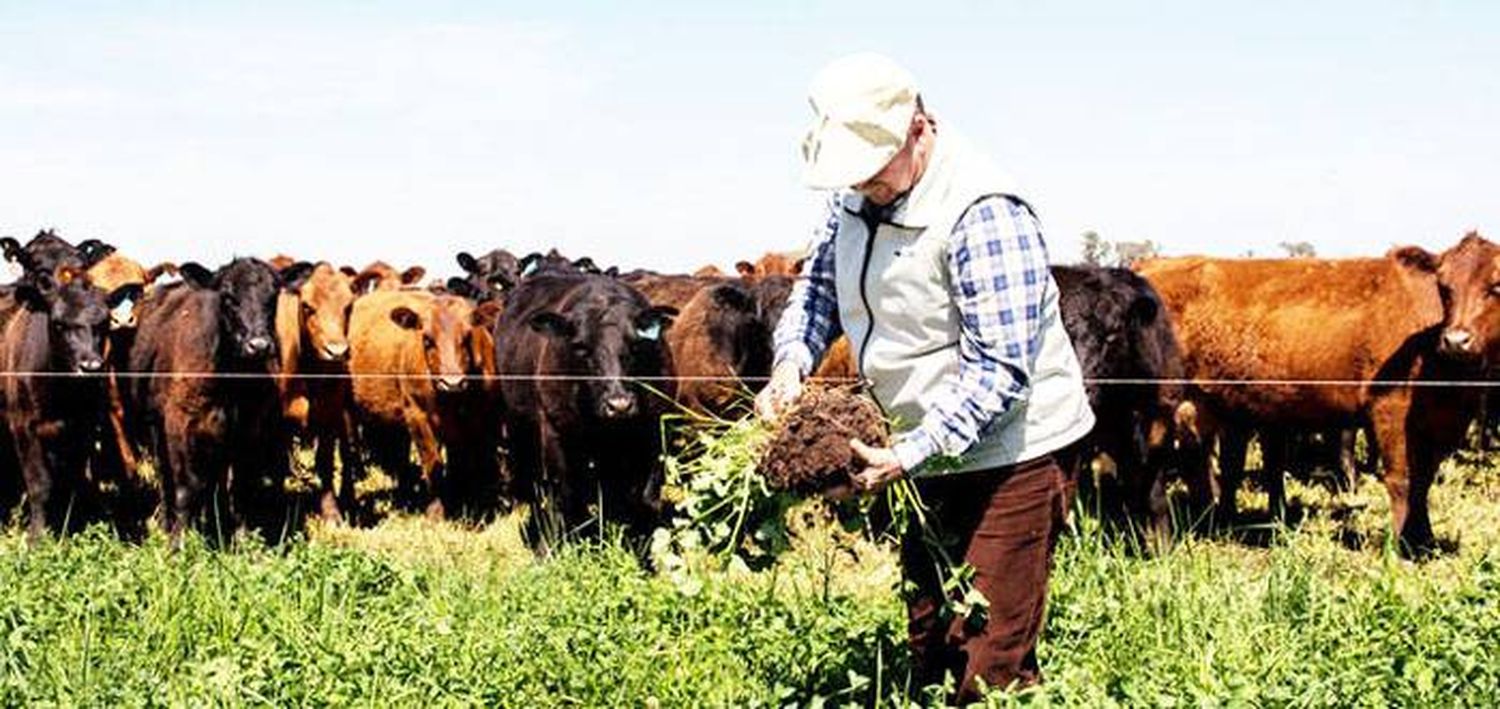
[
  {"x": 1120, "y": 331},
  {"x": 56, "y": 329},
  {"x": 199, "y": 424},
  {"x": 593, "y": 439},
  {"x": 489, "y": 276}
]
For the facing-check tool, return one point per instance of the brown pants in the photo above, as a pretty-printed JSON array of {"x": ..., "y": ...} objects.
[{"x": 1004, "y": 523}]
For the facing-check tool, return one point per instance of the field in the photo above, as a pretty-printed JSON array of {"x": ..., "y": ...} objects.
[{"x": 414, "y": 612}]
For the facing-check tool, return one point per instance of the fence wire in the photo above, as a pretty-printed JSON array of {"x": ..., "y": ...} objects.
[{"x": 727, "y": 379}]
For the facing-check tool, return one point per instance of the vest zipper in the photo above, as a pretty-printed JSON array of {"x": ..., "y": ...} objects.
[{"x": 864, "y": 296}]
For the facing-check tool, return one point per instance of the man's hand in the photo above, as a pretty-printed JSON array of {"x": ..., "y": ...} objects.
[
  {"x": 882, "y": 467},
  {"x": 780, "y": 393}
]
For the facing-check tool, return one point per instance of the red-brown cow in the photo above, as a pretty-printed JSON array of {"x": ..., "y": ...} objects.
[
  {"x": 1375, "y": 322},
  {"x": 312, "y": 330},
  {"x": 419, "y": 361}
]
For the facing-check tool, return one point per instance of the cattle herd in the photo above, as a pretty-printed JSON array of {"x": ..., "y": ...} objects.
[{"x": 542, "y": 379}]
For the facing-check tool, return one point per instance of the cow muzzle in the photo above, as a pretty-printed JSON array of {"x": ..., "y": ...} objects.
[
  {"x": 451, "y": 382},
  {"x": 336, "y": 351},
  {"x": 1458, "y": 343},
  {"x": 257, "y": 346},
  {"x": 90, "y": 365},
  {"x": 618, "y": 406}
]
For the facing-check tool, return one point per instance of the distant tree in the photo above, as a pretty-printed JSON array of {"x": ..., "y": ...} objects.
[
  {"x": 1096, "y": 251},
  {"x": 1128, "y": 253},
  {"x": 1300, "y": 249}
]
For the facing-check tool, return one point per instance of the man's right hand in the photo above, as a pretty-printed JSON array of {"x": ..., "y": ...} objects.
[{"x": 780, "y": 393}]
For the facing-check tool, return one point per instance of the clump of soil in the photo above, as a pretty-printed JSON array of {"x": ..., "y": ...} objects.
[{"x": 811, "y": 453}]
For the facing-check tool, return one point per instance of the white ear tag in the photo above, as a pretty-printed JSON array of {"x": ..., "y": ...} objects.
[{"x": 649, "y": 333}]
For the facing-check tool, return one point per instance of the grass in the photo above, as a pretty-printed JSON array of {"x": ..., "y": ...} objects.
[{"x": 414, "y": 612}]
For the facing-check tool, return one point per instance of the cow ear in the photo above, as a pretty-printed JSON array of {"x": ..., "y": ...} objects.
[
  {"x": 798, "y": 265},
  {"x": 94, "y": 251},
  {"x": 653, "y": 320},
  {"x": 363, "y": 282},
  {"x": 406, "y": 318},
  {"x": 130, "y": 292},
  {"x": 587, "y": 265},
  {"x": 744, "y": 268},
  {"x": 159, "y": 270},
  {"x": 12, "y": 248},
  {"x": 412, "y": 275},
  {"x": 461, "y": 287},
  {"x": 529, "y": 263},
  {"x": 196, "y": 275},
  {"x": 348, "y": 271},
  {"x": 612, "y": 271},
  {"x": 734, "y": 297},
  {"x": 293, "y": 276},
  {"x": 552, "y": 324},
  {"x": 467, "y": 262},
  {"x": 1416, "y": 258},
  {"x": 1417, "y": 268}
]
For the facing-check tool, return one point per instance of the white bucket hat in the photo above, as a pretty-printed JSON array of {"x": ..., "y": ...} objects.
[{"x": 863, "y": 105}]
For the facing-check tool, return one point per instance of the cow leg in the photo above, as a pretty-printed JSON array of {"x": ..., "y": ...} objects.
[
  {"x": 1389, "y": 420},
  {"x": 1348, "y": 478},
  {"x": 38, "y": 485},
  {"x": 1273, "y": 465},
  {"x": 1233, "y": 441},
  {"x": 324, "y": 443},
  {"x": 352, "y": 466},
  {"x": 430, "y": 456}
]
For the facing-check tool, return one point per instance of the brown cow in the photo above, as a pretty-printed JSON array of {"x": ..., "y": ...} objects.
[
  {"x": 312, "y": 326},
  {"x": 380, "y": 276},
  {"x": 838, "y": 362},
  {"x": 1376, "y": 322},
  {"x": 417, "y": 359}
]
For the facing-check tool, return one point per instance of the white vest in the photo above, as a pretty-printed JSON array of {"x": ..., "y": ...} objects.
[{"x": 896, "y": 303}]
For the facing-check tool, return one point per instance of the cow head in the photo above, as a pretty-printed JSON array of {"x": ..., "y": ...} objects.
[
  {"x": 489, "y": 275},
  {"x": 445, "y": 328},
  {"x": 116, "y": 271},
  {"x": 77, "y": 314},
  {"x": 47, "y": 252},
  {"x": 611, "y": 334},
  {"x": 247, "y": 289},
  {"x": 736, "y": 330},
  {"x": 325, "y": 299},
  {"x": 1468, "y": 280},
  {"x": 382, "y": 276}
]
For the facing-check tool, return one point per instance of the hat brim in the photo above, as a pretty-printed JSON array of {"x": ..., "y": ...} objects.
[{"x": 840, "y": 158}]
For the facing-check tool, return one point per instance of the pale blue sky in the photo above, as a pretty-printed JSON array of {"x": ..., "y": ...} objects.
[{"x": 664, "y": 134}]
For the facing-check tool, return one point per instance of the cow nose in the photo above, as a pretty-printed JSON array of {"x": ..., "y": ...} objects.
[
  {"x": 451, "y": 382},
  {"x": 258, "y": 345},
  {"x": 619, "y": 405},
  {"x": 336, "y": 350},
  {"x": 90, "y": 364},
  {"x": 1458, "y": 341}
]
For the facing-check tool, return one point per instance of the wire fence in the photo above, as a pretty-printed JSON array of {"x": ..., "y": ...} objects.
[{"x": 728, "y": 379}]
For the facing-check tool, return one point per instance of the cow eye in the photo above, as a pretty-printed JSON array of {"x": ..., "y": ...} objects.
[
  {"x": 428, "y": 342},
  {"x": 1495, "y": 290}
]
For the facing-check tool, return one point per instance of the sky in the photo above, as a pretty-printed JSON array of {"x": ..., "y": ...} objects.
[{"x": 664, "y": 134}]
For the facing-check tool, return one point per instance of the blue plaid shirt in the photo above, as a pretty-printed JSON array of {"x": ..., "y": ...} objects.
[{"x": 997, "y": 261}]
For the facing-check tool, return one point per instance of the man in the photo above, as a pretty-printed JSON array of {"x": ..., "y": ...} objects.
[{"x": 937, "y": 272}]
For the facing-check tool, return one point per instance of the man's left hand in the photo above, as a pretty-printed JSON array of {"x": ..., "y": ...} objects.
[{"x": 882, "y": 467}]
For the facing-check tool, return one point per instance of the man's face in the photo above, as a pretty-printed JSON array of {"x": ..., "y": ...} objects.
[{"x": 905, "y": 168}]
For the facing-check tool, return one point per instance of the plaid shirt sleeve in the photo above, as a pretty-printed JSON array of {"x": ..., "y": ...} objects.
[
  {"x": 997, "y": 264},
  {"x": 810, "y": 320}
]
